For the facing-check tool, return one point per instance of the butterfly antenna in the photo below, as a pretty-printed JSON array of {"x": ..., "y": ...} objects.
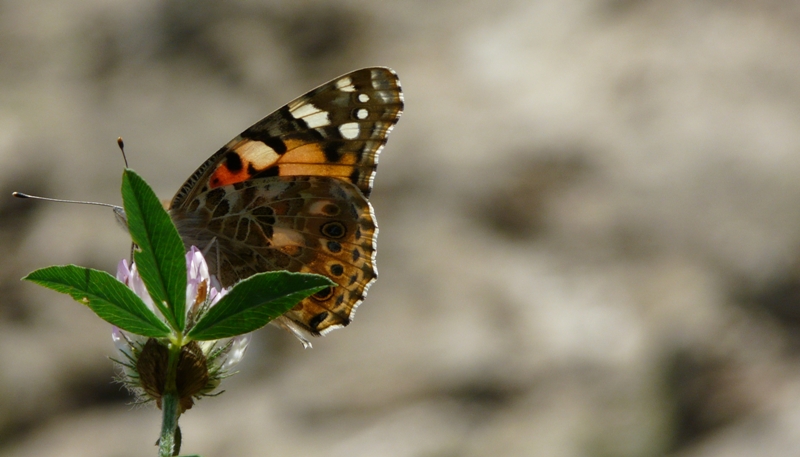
[
  {"x": 121, "y": 145},
  {"x": 60, "y": 200},
  {"x": 119, "y": 212}
]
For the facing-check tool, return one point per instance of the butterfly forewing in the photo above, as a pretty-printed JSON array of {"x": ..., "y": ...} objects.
[
  {"x": 337, "y": 130},
  {"x": 289, "y": 193}
]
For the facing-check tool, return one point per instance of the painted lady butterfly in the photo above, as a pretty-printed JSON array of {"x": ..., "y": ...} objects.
[{"x": 290, "y": 193}]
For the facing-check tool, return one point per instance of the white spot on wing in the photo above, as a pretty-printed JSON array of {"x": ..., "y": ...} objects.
[
  {"x": 363, "y": 98},
  {"x": 349, "y": 131},
  {"x": 362, "y": 113},
  {"x": 306, "y": 109},
  {"x": 300, "y": 102},
  {"x": 312, "y": 115},
  {"x": 257, "y": 154},
  {"x": 345, "y": 84},
  {"x": 319, "y": 119}
]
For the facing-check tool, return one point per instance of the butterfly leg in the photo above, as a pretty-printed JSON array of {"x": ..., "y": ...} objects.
[{"x": 214, "y": 243}]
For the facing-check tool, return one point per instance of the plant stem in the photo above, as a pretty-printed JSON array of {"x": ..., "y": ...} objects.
[
  {"x": 170, "y": 404},
  {"x": 169, "y": 423}
]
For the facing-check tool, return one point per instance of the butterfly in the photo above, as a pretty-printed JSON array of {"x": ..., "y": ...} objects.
[{"x": 291, "y": 193}]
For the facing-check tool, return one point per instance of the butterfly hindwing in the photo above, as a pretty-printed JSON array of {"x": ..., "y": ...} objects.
[
  {"x": 289, "y": 193},
  {"x": 306, "y": 224}
]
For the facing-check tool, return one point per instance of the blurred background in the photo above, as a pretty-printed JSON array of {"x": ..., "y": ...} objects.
[{"x": 589, "y": 224}]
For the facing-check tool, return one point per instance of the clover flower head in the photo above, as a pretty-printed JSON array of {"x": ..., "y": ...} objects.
[{"x": 202, "y": 364}]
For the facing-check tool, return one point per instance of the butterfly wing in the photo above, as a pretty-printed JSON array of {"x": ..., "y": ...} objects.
[
  {"x": 289, "y": 193},
  {"x": 335, "y": 130}
]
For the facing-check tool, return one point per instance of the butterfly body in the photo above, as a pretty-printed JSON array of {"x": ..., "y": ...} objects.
[{"x": 290, "y": 193}]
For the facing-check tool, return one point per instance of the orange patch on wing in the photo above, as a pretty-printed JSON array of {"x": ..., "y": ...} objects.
[
  {"x": 348, "y": 159},
  {"x": 253, "y": 155},
  {"x": 303, "y": 153},
  {"x": 301, "y": 169},
  {"x": 223, "y": 176}
]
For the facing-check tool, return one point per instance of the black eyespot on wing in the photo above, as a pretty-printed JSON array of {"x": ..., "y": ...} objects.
[
  {"x": 334, "y": 247},
  {"x": 337, "y": 269},
  {"x": 323, "y": 294},
  {"x": 333, "y": 229}
]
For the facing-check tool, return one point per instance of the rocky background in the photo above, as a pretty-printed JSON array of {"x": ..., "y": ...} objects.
[{"x": 589, "y": 214}]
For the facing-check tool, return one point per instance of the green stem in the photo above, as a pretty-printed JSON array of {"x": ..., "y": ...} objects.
[
  {"x": 169, "y": 423},
  {"x": 170, "y": 406}
]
